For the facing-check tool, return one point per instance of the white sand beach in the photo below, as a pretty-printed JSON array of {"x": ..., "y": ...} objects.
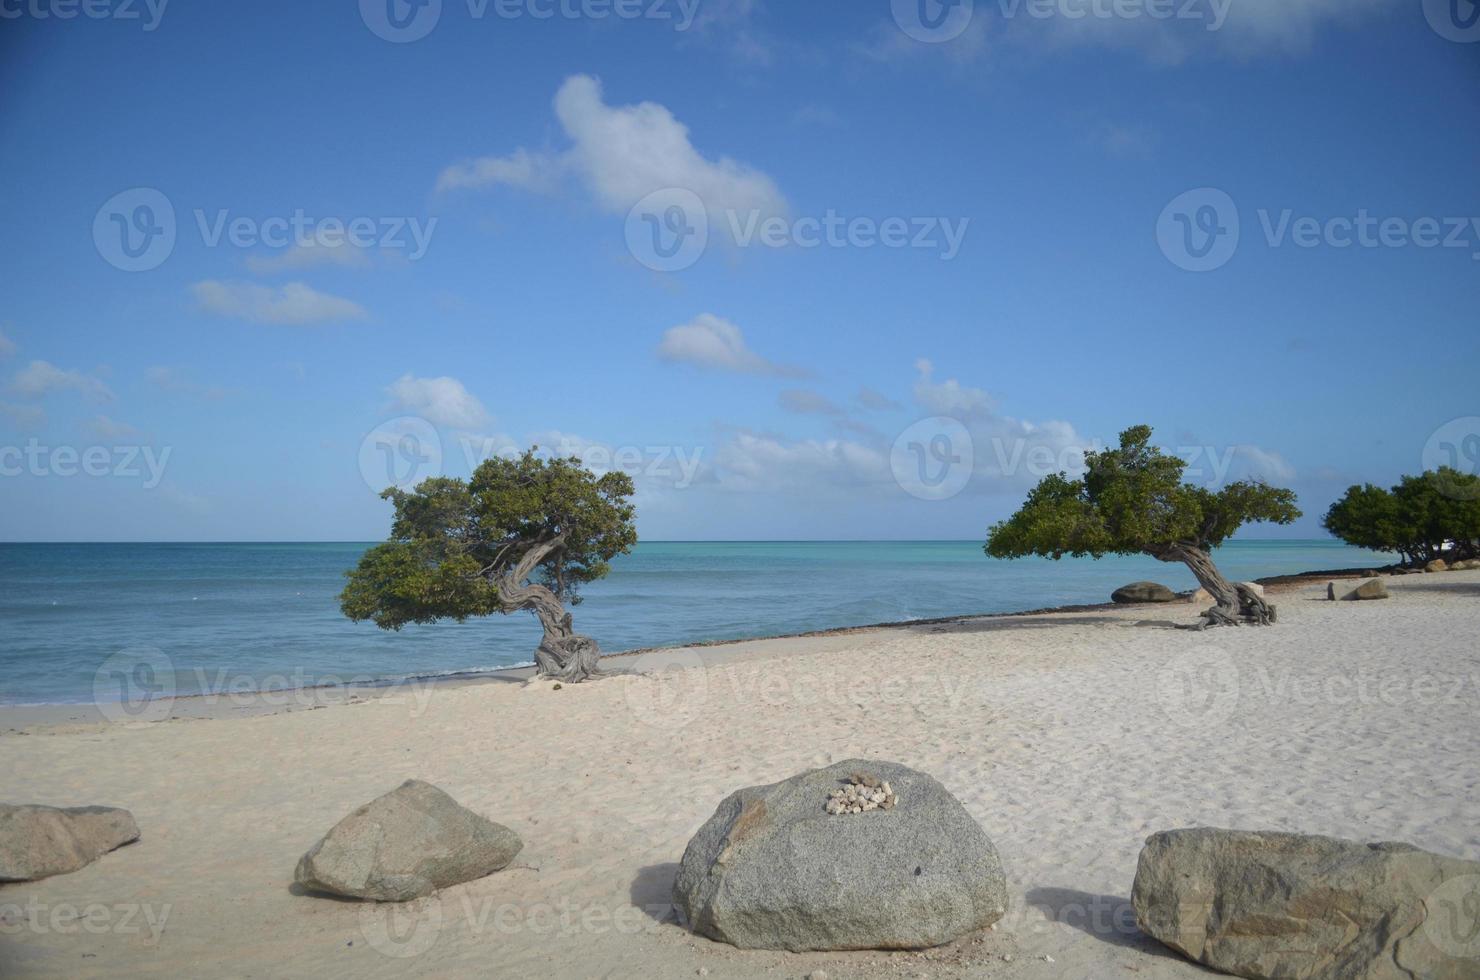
[{"x": 1070, "y": 737}]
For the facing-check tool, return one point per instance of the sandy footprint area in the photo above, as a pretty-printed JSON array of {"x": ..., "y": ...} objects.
[{"x": 1070, "y": 737}]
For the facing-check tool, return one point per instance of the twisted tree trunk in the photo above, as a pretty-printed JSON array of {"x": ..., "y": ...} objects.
[
  {"x": 1234, "y": 603},
  {"x": 563, "y": 654}
]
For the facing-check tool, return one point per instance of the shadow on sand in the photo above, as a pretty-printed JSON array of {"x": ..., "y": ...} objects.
[
  {"x": 1108, "y": 918},
  {"x": 1445, "y": 588},
  {"x": 994, "y": 625},
  {"x": 652, "y": 891}
]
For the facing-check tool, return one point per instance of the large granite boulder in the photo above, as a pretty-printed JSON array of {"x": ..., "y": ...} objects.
[
  {"x": 1277, "y": 905},
  {"x": 1143, "y": 592},
  {"x": 404, "y": 845},
  {"x": 1373, "y": 588},
  {"x": 1437, "y": 565},
  {"x": 773, "y": 869},
  {"x": 41, "y": 841}
]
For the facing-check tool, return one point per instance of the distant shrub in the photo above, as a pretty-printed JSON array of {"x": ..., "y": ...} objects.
[{"x": 1435, "y": 515}]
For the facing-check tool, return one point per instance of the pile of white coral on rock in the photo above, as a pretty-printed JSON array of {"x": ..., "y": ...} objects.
[{"x": 862, "y": 792}]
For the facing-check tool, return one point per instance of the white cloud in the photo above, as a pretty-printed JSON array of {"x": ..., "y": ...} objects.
[
  {"x": 522, "y": 169},
  {"x": 24, "y": 416},
  {"x": 1126, "y": 142},
  {"x": 310, "y": 255},
  {"x": 295, "y": 303},
  {"x": 732, "y": 22},
  {"x": 7, "y": 346},
  {"x": 105, "y": 428},
  {"x": 1243, "y": 28},
  {"x": 803, "y": 402},
  {"x": 1255, "y": 463},
  {"x": 623, "y": 153},
  {"x": 441, "y": 401},
  {"x": 184, "y": 500},
  {"x": 754, "y": 462},
  {"x": 814, "y": 115},
  {"x": 948, "y": 397},
  {"x": 1007, "y": 455},
  {"x": 41, "y": 378},
  {"x": 876, "y": 400},
  {"x": 713, "y": 342},
  {"x": 174, "y": 381},
  {"x": 890, "y": 44}
]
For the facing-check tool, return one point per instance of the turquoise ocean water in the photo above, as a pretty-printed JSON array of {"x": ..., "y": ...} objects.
[{"x": 267, "y": 613}]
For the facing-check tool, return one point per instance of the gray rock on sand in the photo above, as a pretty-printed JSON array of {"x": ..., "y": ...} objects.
[
  {"x": 1202, "y": 597},
  {"x": 1143, "y": 592},
  {"x": 41, "y": 841},
  {"x": 404, "y": 845},
  {"x": 1277, "y": 905},
  {"x": 1373, "y": 588},
  {"x": 772, "y": 869}
]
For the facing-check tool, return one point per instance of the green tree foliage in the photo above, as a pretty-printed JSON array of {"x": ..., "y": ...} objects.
[
  {"x": 522, "y": 533},
  {"x": 1434, "y": 515},
  {"x": 1131, "y": 500}
]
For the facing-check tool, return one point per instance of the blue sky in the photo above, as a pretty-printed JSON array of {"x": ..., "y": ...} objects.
[{"x": 1018, "y": 214}]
